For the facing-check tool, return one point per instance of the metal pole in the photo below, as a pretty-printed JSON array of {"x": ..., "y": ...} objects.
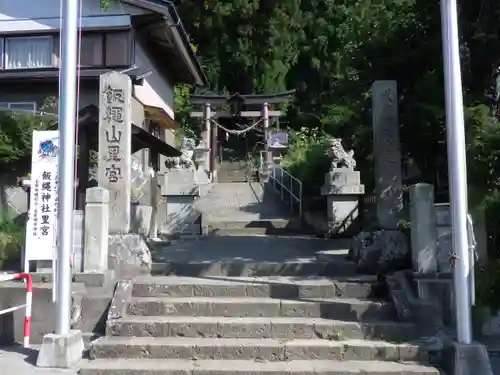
[
  {"x": 457, "y": 167},
  {"x": 67, "y": 124}
]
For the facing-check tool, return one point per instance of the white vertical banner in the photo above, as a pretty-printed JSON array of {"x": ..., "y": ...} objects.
[{"x": 41, "y": 231}]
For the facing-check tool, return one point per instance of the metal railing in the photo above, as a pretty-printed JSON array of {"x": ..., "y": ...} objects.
[
  {"x": 287, "y": 186},
  {"x": 26, "y": 306}
]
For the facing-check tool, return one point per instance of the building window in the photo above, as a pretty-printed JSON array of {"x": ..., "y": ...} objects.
[
  {"x": 28, "y": 52},
  {"x": 92, "y": 51},
  {"x": 118, "y": 49},
  {"x": 19, "y": 106}
]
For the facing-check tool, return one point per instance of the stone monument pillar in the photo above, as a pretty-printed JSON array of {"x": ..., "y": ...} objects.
[
  {"x": 96, "y": 230},
  {"x": 387, "y": 154},
  {"x": 206, "y": 135},
  {"x": 423, "y": 228},
  {"x": 115, "y": 147},
  {"x": 342, "y": 188}
]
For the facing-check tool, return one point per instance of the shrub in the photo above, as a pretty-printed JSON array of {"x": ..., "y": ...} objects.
[
  {"x": 11, "y": 241},
  {"x": 488, "y": 285},
  {"x": 306, "y": 159}
]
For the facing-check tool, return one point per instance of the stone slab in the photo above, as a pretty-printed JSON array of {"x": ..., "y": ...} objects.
[
  {"x": 423, "y": 228},
  {"x": 249, "y": 349},
  {"x": 261, "y": 327},
  {"x": 238, "y": 268},
  {"x": 129, "y": 255},
  {"x": 275, "y": 287},
  {"x": 443, "y": 215},
  {"x": 236, "y": 367},
  {"x": 61, "y": 351},
  {"x": 340, "y": 309},
  {"x": 179, "y": 182}
]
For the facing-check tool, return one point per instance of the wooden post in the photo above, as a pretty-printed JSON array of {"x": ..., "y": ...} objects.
[{"x": 82, "y": 169}]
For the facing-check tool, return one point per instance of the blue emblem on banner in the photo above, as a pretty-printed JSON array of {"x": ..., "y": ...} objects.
[{"x": 47, "y": 148}]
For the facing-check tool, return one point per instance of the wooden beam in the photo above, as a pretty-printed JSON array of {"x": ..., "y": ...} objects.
[
  {"x": 241, "y": 114},
  {"x": 277, "y": 98}
]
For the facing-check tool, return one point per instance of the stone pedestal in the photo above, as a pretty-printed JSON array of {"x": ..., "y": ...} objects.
[
  {"x": 342, "y": 188},
  {"x": 61, "y": 351},
  {"x": 180, "y": 190}
]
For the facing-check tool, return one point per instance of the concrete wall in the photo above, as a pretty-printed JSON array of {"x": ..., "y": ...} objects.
[
  {"x": 156, "y": 91},
  {"x": 35, "y": 15},
  {"x": 93, "y": 307}
]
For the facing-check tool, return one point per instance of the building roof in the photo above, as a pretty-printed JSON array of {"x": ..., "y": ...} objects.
[
  {"x": 173, "y": 48},
  {"x": 88, "y": 121}
]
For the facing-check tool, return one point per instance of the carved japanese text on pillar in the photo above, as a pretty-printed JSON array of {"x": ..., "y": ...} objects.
[{"x": 114, "y": 100}]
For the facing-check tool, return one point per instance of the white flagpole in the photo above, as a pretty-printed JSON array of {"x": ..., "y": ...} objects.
[
  {"x": 457, "y": 170},
  {"x": 67, "y": 131}
]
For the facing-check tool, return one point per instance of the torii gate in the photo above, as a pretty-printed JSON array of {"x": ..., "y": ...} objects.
[{"x": 236, "y": 102}]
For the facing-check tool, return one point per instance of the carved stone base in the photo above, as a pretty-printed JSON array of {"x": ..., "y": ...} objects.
[{"x": 342, "y": 189}]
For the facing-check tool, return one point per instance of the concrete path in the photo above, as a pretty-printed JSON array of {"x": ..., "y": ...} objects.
[{"x": 15, "y": 360}]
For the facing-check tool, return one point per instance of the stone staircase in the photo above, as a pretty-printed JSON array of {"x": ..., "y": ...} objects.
[
  {"x": 256, "y": 325},
  {"x": 234, "y": 171},
  {"x": 243, "y": 302}
]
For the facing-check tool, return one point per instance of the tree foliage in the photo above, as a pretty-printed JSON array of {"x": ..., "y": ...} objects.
[{"x": 331, "y": 51}]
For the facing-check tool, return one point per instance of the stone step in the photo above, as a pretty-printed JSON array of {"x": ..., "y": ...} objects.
[
  {"x": 237, "y": 268},
  {"x": 254, "y": 349},
  {"x": 274, "y": 287},
  {"x": 262, "y": 223},
  {"x": 250, "y": 231},
  {"x": 339, "y": 309},
  {"x": 236, "y": 367},
  {"x": 262, "y": 327},
  {"x": 260, "y": 227}
]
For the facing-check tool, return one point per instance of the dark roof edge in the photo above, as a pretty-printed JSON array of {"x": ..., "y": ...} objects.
[{"x": 181, "y": 38}]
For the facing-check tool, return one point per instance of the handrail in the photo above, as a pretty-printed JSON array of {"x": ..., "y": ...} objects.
[
  {"x": 278, "y": 178},
  {"x": 29, "y": 299}
]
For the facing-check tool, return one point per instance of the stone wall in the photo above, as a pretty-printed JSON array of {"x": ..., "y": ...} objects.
[{"x": 13, "y": 199}]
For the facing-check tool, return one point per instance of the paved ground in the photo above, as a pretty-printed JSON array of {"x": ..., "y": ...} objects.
[
  {"x": 287, "y": 249},
  {"x": 20, "y": 361},
  {"x": 240, "y": 202}
]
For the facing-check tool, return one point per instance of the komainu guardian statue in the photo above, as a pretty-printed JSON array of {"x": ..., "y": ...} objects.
[
  {"x": 340, "y": 158},
  {"x": 185, "y": 161}
]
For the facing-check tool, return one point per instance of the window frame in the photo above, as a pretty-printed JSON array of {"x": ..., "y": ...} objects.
[
  {"x": 130, "y": 38},
  {"x": 56, "y": 59},
  {"x": 8, "y": 105},
  {"x": 5, "y": 54}
]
